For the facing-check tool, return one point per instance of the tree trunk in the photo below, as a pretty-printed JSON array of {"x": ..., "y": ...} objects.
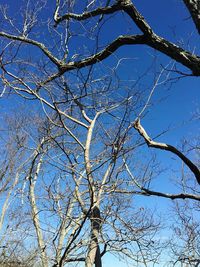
[{"x": 94, "y": 256}]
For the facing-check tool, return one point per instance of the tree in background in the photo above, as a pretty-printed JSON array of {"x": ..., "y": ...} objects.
[{"x": 83, "y": 162}]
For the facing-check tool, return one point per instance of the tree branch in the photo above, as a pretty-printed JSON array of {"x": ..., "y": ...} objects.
[
  {"x": 153, "y": 40},
  {"x": 175, "y": 52},
  {"x": 148, "y": 37},
  {"x": 193, "y": 7},
  {"x": 106, "y": 52},
  {"x": 147, "y": 192},
  {"x": 98, "y": 57},
  {"x": 138, "y": 19},
  {"x": 40, "y": 45},
  {"x": 89, "y": 14},
  {"x": 195, "y": 170}
]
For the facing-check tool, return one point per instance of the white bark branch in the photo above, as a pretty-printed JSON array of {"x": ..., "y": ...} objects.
[
  {"x": 35, "y": 213},
  {"x": 87, "y": 15}
]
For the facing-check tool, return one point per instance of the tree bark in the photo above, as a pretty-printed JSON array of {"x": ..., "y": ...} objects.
[
  {"x": 94, "y": 256},
  {"x": 193, "y": 7},
  {"x": 35, "y": 213}
]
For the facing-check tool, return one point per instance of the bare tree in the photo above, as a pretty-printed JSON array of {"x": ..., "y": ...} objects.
[{"x": 80, "y": 160}]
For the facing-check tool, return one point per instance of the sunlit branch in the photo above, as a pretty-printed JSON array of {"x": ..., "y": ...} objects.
[
  {"x": 28, "y": 90},
  {"x": 6, "y": 203},
  {"x": 70, "y": 132},
  {"x": 105, "y": 177},
  {"x": 106, "y": 52},
  {"x": 88, "y": 166},
  {"x": 33, "y": 176},
  {"x": 76, "y": 232},
  {"x": 175, "y": 52},
  {"x": 195, "y": 170},
  {"x": 86, "y": 15}
]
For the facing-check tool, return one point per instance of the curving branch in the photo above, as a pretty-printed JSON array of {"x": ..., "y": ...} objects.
[
  {"x": 194, "y": 169},
  {"x": 128, "y": 7},
  {"x": 184, "y": 57},
  {"x": 86, "y": 15},
  {"x": 40, "y": 45},
  {"x": 149, "y": 38},
  {"x": 98, "y": 57},
  {"x": 106, "y": 52},
  {"x": 193, "y": 7},
  {"x": 147, "y": 192},
  {"x": 175, "y": 52}
]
